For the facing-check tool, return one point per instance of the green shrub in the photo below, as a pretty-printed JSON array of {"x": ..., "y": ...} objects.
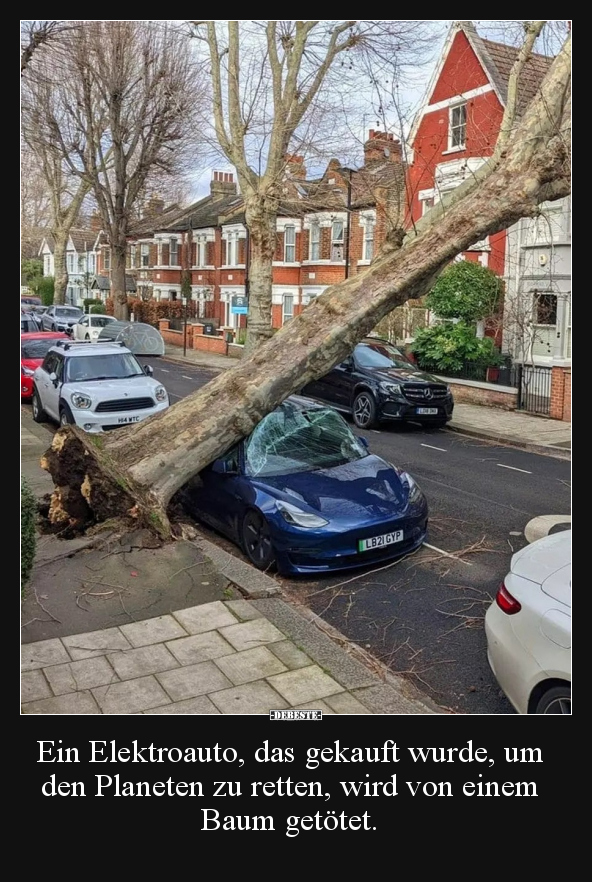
[
  {"x": 98, "y": 309},
  {"x": 445, "y": 348},
  {"x": 91, "y": 301},
  {"x": 28, "y": 531},
  {"x": 465, "y": 290}
]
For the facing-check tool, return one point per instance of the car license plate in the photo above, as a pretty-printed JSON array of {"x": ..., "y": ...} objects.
[
  {"x": 380, "y": 541},
  {"x": 426, "y": 411},
  {"x": 135, "y": 419}
]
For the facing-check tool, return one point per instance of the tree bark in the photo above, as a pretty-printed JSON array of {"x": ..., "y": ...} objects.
[
  {"x": 147, "y": 464},
  {"x": 118, "y": 290},
  {"x": 60, "y": 270},
  {"x": 261, "y": 243}
]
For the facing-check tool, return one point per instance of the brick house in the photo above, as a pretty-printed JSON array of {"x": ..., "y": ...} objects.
[
  {"x": 327, "y": 228},
  {"x": 452, "y": 135}
]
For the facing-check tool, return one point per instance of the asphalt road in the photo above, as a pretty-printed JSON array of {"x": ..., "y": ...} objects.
[{"x": 423, "y": 615}]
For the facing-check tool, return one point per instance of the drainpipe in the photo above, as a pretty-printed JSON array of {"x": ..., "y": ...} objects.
[{"x": 347, "y": 226}]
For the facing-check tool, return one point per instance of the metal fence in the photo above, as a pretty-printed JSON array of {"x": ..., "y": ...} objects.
[
  {"x": 534, "y": 388},
  {"x": 533, "y": 382}
]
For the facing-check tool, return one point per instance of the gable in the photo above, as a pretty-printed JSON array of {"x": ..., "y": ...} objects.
[{"x": 461, "y": 71}]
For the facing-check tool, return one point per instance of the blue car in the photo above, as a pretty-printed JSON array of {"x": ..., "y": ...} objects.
[{"x": 304, "y": 494}]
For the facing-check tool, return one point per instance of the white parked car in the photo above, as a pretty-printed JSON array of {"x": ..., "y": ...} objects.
[
  {"x": 98, "y": 387},
  {"x": 528, "y": 628},
  {"x": 90, "y": 326}
]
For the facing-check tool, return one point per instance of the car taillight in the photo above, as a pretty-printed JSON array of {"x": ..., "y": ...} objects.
[{"x": 506, "y": 602}]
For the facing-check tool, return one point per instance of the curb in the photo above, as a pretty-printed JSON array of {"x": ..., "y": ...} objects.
[
  {"x": 545, "y": 449},
  {"x": 179, "y": 359}
]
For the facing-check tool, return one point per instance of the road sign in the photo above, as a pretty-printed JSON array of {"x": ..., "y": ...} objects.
[{"x": 239, "y": 305}]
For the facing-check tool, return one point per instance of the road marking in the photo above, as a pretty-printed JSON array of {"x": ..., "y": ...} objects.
[
  {"x": 502, "y": 466},
  {"x": 186, "y": 378},
  {"x": 447, "y": 554},
  {"x": 164, "y": 370},
  {"x": 172, "y": 395},
  {"x": 431, "y": 446}
]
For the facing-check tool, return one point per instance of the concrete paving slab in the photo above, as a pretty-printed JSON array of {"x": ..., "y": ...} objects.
[
  {"x": 74, "y": 703},
  {"x": 252, "y": 698},
  {"x": 43, "y": 653},
  {"x": 304, "y": 685},
  {"x": 187, "y": 682},
  {"x": 199, "y": 705},
  {"x": 206, "y": 617},
  {"x": 252, "y": 664},
  {"x": 154, "y": 630},
  {"x": 251, "y": 634},
  {"x": 200, "y": 648},
  {"x": 131, "y": 696},
  {"x": 80, "y": 675},
  {"x": 34, "y": 686},
  {"x": 95, "y": 643},
  {"x": 142, "y": 661}
]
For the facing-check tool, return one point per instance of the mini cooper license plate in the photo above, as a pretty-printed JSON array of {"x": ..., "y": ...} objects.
[
  {"x": 380, "y": 541},
  {"x": 426, "y": 411},
  {"x": 129, "y": 419}
]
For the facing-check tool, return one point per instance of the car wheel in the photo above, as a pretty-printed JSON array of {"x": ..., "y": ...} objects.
[
  {"x": 556, "y": 700},
  {"x": 66, "y": 418},
  {"x": 256, "y": 540},
  {"x": 87, "y": 337},
  {"x": 364, "y": 410},
  {"x": 39, "y": 414}
]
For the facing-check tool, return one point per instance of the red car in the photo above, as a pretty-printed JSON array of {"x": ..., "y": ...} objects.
[{"x": 34, "y": 347}]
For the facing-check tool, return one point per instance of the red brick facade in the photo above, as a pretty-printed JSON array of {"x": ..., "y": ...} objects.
[{"x": 560, "y": 407}]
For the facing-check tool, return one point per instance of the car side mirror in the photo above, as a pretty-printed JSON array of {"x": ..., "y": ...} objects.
[
  {"x": 348, "y": 364},
  {"x": 223, "y": 467},
  {"x": 54, "y": 378},
  {"x": 148, "y": 370},
  {"x": 364, "y": 441}
]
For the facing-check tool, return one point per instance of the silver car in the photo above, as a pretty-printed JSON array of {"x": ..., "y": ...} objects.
[{"x": 60, "y": 318}]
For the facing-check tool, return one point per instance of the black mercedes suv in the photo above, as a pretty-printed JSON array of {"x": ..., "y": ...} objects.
[{"x": 377, "y": 382}]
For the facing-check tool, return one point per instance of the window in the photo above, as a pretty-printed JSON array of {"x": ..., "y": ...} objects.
[
  {"x": 546, "y": 228},
  {"x": 232, "y": 249},
  {"x": 200, "y": 251},
  {"x": 107, "y": 258},
  {"x": 70, "y": 263},
  {"x": 174, "y": 253},
  {"x": 289, "y": 244},
  {"x": 458, "y": 126},
  {"x": 315, "y": 241},
  {"x": 369, "y": 239},
  {"x": 426, "y": 204},
  {"x": 145, "y": 255},
  {"x": 132, "y": 256},
  {"x": 288, "y": 308},
  {"x": 337, "y": 240},
  {"x": 81, "y": 263},
  {"x": 545, "y": 309},
  {"x": 47, "y": 264}
]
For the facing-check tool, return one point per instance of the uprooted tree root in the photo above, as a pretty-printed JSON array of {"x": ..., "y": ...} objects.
[{"x": 91, "y": 489}]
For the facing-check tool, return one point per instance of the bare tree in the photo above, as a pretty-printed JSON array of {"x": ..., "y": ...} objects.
[
  {"x": 276, "y": 85},
  {"x": 136, "y": 472},
  {"x": 44, "y": 126},
  {"x": 124, "y": 114},
  {"x": 35, "y": 209},
  {"x": 36, "y": 34}
]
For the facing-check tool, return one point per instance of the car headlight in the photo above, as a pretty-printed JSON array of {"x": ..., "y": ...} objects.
[
  {"x": 391, "y": 388},
  {"x": 82, "y": 402},
  {"x": 161, "y": 393},
  {"x": 294, "y": 515},
  {"x": 26, "y": 371},
  {"x": 415, "y": 493}
]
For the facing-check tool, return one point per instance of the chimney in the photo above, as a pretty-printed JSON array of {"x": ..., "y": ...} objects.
[
  {"x": 95, "y": 222},
  {"x": 381, "y": 146},
  {"x": 223, "y": 184},
  {"x": 155, "y": 205},
  {"x": 295, "y": 166}
]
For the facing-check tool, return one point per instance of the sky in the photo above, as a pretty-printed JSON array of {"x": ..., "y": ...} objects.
[{"x": 411, "y": 96}]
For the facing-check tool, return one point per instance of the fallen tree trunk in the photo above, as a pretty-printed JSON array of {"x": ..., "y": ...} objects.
[{"x": 137, "y": 470}]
